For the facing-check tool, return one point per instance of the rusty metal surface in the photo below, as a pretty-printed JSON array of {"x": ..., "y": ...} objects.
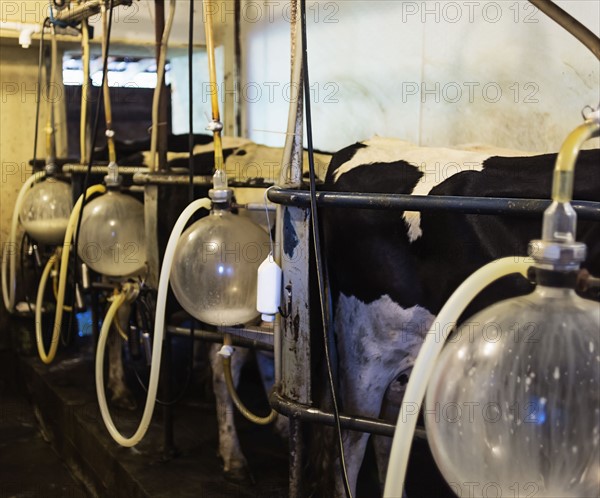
[
  {"x": 309, "y": 413},
  {"x": 254, "y": 337},
  {"x": 151, "y": 232},
  {"x": 295, "y": 334}
]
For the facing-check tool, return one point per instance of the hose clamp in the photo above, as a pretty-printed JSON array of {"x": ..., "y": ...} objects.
[
  {"x": 51, "y": 169},
  {"x": 214, "y": 126},
  {"x": 131, "y": 291},
  {"x": 560, "y": 256},
  {"x": 226, "y": 351},
  {"x": 589, "y": 113}
]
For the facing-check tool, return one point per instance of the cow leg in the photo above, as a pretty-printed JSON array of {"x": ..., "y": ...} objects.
[
  {"x": 235, "y": 465},
  {"x": 376, "y": 342},
  {"x": 389, "y": 412},
  {"x": 121, "y": 396},
  {"x": 266, "y": 367},
  {"x": 357, "y": 395}
]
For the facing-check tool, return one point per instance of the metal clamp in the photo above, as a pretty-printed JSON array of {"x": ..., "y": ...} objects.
[{"x": 214, "y": 126}]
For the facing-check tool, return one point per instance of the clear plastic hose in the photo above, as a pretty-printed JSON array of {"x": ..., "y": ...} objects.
[
  {"x": 426, "y": 360},
  {"x": 564, "y": 172},
  {"x": 9, "y": 254},
  {"x": 560, "y": 220},
  {"x": 159, "y": 325}
]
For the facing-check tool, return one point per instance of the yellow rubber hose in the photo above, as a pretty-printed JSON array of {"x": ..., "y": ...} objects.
[
  {"x": 226, "y": 355},
  {"x": 62, "y": 282},
  {"x": 39, "y": 339}
]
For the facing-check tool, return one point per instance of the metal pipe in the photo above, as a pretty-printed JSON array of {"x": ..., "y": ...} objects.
[
  {"x": 169, "y": 450},
  {"x": 101, "y": 170},
  {"x": 144, "y": 177},
  {"x": 572, "y": 25},
  {"x": 293, "y": 409},
  {"x": 84, "y": 11},
  {"x": 170, "y": 179},
  {"x": 296, "y": 459},
  {"x": 471, "y": 205},
  {"x": 246, "y": 338}
]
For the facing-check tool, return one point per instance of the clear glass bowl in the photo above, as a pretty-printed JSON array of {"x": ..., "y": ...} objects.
[
  {"x": 513, "y": 406},
  {"x": 46, "y": 210},
  {"x": 215, "y": 266},
  {"x": 112, "y": 235}
]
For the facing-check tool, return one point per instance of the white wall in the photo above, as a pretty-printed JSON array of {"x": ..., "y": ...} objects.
[
  {"x": 433, "y": 72},
  {"x": 202, "y": 91}
]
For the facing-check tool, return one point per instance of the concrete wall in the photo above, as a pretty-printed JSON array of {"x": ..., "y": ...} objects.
[
  {"x": 432, "y": 72},
  {"x": 18, "y": 80}
]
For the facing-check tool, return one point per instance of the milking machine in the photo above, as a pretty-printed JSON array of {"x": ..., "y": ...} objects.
[
  {"x": 43, "y": 203},
  {"x": 107, "y": 231},
  {"x": 527, "y": 367},
  {"x": 112, "y": 242},
  {"x": 214, "y": 265},
  {"x": 43, "y": 206}
]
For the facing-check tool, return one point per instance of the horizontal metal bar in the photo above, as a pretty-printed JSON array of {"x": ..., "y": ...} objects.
[
  {"x": 90, "y": 8},
  {"x": 98, "y": 170},
  {"x": 307, "y": 413},
  {"x": 160, "y": 178},
  {"x": 249, "y": 337},
  {"x": 256, "y": 206},
  {"x": 178, "y": 177},
  {"x": 586, "y": 210}
]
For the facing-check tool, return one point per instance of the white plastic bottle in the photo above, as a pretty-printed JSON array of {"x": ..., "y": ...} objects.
[{"x": 268, "y": 295}]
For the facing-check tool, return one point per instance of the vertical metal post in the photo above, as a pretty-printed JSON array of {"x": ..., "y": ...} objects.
[
  {"x": 94, "y": 305},
  {"x": 296, "y": 458},
  {"x": 169, "y": 450},
  {"x": 151, "y": 213},
  {"x": 159, "y": 26},
  {"x": 231, "y": 63},
  {"x": 295, "y": 334},
  {"x": 292, "y": 340},
  {"x": 151, "y": 234}
]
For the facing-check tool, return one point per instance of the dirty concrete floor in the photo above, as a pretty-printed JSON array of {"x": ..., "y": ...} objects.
[
  {"x": 29, "y": 467},
  {"x": 64, "y": 400}
]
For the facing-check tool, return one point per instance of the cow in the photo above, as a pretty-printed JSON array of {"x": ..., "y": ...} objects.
[{"x": 392, "y": 271}]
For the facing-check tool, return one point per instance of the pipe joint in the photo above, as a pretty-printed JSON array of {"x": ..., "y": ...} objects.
[
  {"x": 131, "y": 291},
  {"x": 51, "y": 169},
  {"x": 214, "y": 126},
  {"x": 589, "y": 113},
  {"x": 226, "y": 351}
]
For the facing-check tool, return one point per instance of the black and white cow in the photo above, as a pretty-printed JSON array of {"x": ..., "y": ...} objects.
[{"x": 392, "y": 271}]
